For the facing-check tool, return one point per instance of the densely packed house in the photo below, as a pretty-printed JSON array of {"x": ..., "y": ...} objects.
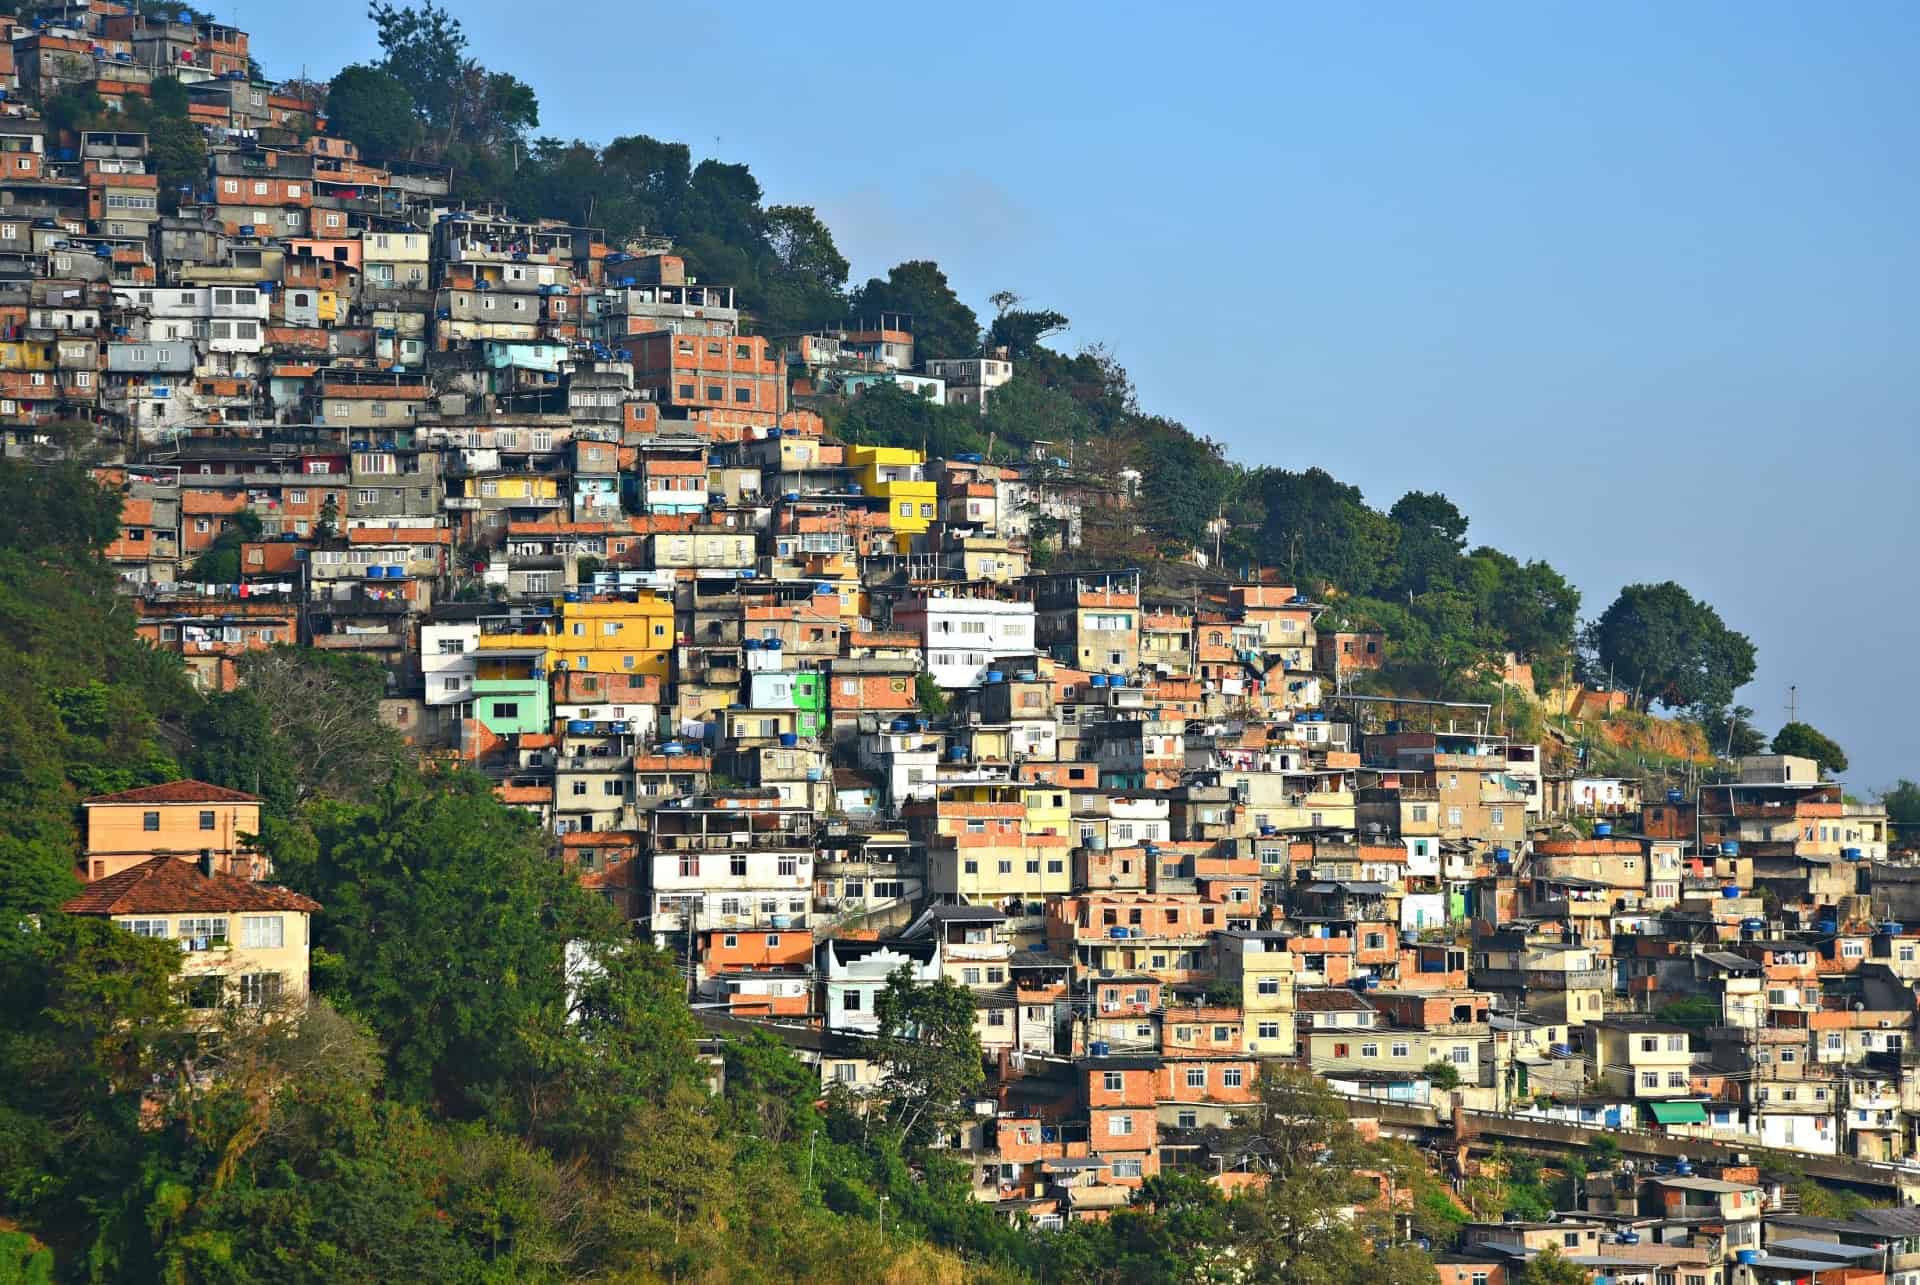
[{"x": 812, "y": 712}]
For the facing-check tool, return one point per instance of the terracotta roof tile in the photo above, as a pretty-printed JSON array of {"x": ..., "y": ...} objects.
[
  {"x": 177, "y": 792},
  {"x": 170, "y": 885}
]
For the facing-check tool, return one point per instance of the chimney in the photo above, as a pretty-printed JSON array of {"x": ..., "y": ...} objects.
[{"x": 206, "y": 862}]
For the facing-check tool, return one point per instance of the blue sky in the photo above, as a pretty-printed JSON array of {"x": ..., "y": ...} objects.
[{"x": 1625, "y": 281}]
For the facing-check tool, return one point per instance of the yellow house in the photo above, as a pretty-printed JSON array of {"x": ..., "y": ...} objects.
[
  {"x": 897, "y": 475},
  {"x": 188, "y": 820},
  {"x": 26, "y": 356},
  {"x": 615, "y": 637},
  {"x": 327, "y": 303},
  {"x": 521, "y": 488},
  {"x": 241, "y": 942}
]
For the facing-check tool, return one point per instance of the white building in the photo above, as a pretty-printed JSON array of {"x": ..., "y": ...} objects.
[
  {"x": 963, "y": 637},
  {"x": 447, "y": 655},
  {"x": 970, "y": 379},
  {"x": 853, "y": 973}
]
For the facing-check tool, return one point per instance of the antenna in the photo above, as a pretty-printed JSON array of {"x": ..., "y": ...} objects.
[{"x": 1793, "y": 703}]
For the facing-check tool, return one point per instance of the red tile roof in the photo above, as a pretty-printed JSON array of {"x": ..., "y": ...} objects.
[
  {"x": 177, "y": 792},
  {"x": 170, "y": 885}
]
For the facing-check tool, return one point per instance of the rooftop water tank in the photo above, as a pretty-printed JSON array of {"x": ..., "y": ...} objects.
[
  {"x": 1729, "y": 848},
  {"x": 1099, "y": 1048},
  {"x": 788, "y": 740},
  {"x": 1676, "y": 796},
  {"x": 1602, "y": 830}
]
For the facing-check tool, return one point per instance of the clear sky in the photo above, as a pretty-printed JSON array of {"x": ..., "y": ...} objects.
[{"x": 1623, "y": 280}]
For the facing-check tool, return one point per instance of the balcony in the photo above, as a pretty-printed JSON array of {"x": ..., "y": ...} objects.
[{"x": 737, "y": 841}]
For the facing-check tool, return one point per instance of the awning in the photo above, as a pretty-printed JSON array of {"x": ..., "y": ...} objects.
[{"x": 1678, "y": 1112}]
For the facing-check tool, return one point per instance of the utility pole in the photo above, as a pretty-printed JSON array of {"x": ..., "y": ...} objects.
[{"x": 1793, "y": 703}]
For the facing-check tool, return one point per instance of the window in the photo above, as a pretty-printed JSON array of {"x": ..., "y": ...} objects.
[
  {"x": 1268, "y": 1030},
  {"x": 1399, "y": 1048},
  {"x": 737, "y": 864},
  {"x": 1111, "y": 1081},
  {"x": 1369, "y": 1050},
  {"x": 970, "y": 976},
  {"x": 850, "y": 1001},
  {"x": 506, "y": 709},
  {"x": 1649, "y": 1079},
  {"x": 1232, "y": 1078},
  {"x": 1119, "y": 1126},
  {"x": 149, "y": 821},
  {"x": 204, "y": 933},
  {"x": 206, "y": 820},
  {"x": 1188, "y": 1120},
  {"x": 1676, "y": 1079},
  {"x": 1267, "y": 986},
  {"x": 1196, "y": 1077},
  {"x": 996, "y": 1017},
  {"x": 1462, "y": 1055},
  {"x": 145, "y": 927},
  {"x": 262, "y": 932},
  {"x": 1570, "y": 1239},
  {"x": 689, "y": 865},
  {"x": 789, "y": 865}
]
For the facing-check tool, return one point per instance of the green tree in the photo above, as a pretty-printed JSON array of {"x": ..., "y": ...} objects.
[
  {"x": 1320, "y": 531},
  {"x": 942, "y": 325},
  {"x": 374, "y": 110},
  {"x": 1442, "y": 1075},
  {"x": 237, "y": 745},
  {"x": 1433, "y": 536},
  {"x": 220, "y": 564},
  {"x": 1671, "y": 648},
  {"x": 425, "y": 51},
  {"x": 1548, "y": 1268},
  {"x": 1183, "y": 483},
  {"x": 178, "y": 151},
  {"x": 1533, "y": 607},
  {"x": 1021, "y": 330},
  {"x": 1808, "y": 742},
  {"x": 933, "y": 701},
  {"x": 928, "y": 1054},
  {"x": 449, "y": 925},
  {"x": 1902, "y": 803}
]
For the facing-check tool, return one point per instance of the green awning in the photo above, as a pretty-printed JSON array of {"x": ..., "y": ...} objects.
[{"x": 1678, "y": 1112}]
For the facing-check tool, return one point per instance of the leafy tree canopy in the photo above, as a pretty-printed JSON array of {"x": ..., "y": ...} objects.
[
  {"x": 1809, "y": 742},
  {"x": 1671, "y": 648}
]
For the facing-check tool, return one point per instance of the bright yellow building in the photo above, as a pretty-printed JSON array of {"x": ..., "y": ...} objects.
[
  {"x": 616, "y": 637},
  {"x": 897, "y": 475},
  {"x": 597, "y": 638}
]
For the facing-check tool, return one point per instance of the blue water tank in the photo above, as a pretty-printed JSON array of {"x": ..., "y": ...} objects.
[
  {"x": 376, "y": 573},
  {"x": 1099, "y": 1048},
  {"x": 1099, "y": 680},
  {"x": 752, "y": 644},
  {"x": 1851, "y": 854},
  {"x": 1747, "y": 1257},
  {"x": 1117, "y": 932},
  {"x": 772, "y": 644},
  {"x": 1729, "y": 848},
  {"x": 788, "y": 740},
  {"x": 958, "y": 754},
  {"x": 1731, "y": 891},
  {"x": 783, "y": 921},
  {"x": 1753, "y": 925},
  {"x": 1891, "y": 928},
  {"x": 995, "y": 676},
  {"x": 1503, "y": 854},
  {"x": 1676, "y": 796},
  {"x": 578, "y": 727},
  {"x": 1602, "y": 830}
]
